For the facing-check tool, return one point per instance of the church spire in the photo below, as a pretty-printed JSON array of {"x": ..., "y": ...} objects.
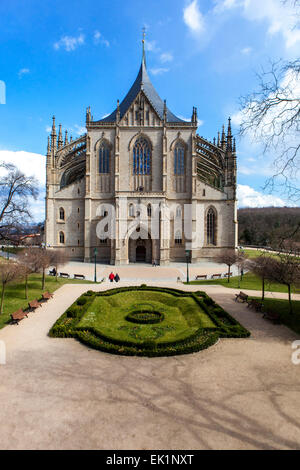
[
  {"x": 229, "y": 135},
  {"x": 143, "y": 42},
  {"x": 60, "y": 138},
  {"x": 53, "y": 135},
  {"x": 223, "y": 138}
]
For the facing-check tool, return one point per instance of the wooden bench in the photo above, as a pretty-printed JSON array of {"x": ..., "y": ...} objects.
[
  {"x": 241, "y": 296},
  {"x": 64, "y": 275},
  {"x": 226, "y": 274},
  {"x": 34, "y": 304},
  {"x": 18, "y": 316},
  {"x": 253, "y": 303},
  {"x": 47, "y": 296},
  {"x": 216, "y": 275},
  {"x": 201, "y": 276},
  {"x": 272, "y": 316},
  {"x": 79, "y": 276}
]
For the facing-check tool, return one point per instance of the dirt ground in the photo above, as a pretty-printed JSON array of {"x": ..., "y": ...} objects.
[{"x": 238, "y": 394}]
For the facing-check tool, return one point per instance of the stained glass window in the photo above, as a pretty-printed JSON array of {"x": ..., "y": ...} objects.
[
  {"x": 179, "y": 159},
  {"x": 141, "y": 157},
  {"x": 104, "y": 159}
]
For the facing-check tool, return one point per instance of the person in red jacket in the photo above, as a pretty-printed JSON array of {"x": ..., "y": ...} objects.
[{"x": 111, "y": 277}]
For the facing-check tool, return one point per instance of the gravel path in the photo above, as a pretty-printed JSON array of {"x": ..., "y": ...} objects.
[{"x": 238, "y": 394}]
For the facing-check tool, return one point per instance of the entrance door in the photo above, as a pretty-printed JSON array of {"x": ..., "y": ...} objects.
[{"x": 140, "y": 254}]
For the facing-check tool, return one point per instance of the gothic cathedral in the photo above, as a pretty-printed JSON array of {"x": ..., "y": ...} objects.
[{"x": 141, "y": 155}]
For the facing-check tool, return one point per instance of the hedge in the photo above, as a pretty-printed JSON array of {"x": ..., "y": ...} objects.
[{"x": 226, "y": 327}]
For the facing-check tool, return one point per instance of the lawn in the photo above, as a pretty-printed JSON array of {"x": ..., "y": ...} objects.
[
  {"x": 15, "y": 293},
  {"x": 250, "y": 281},
  {"x": 182, "y": 316},
  {"x": 281, "y": 307},
  {"x": 148, "y": 321}
]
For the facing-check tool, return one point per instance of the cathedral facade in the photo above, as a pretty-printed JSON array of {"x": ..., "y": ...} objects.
[{"x": 137, "y": 164}]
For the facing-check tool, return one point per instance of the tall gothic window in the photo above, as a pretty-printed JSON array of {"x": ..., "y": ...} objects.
[
  {"x": 211, "y": 227},
  {"x": 179, "y": 159},
  {"x": 61, "y": 214},
  {"x": 141, "y": 157},
  {"x": 61, "y": 237},
  {"x": 104, "y": 158}
]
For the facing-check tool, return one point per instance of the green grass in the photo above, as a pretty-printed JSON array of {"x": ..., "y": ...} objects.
[
  {"x": 250, "y": 281},
  {"x": 15, "y": 293},
  {"x": 182, "y": 317},
  {"x": 188, "y": 322},
  {"x": 281, "y": 307}
]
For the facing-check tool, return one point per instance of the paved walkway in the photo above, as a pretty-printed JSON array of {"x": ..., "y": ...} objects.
[
  {"x": 146, "y": 272},
  {"x": 238, "y": 394}
]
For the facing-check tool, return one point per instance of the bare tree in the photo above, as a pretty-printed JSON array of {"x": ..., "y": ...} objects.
[
  {"x": 229, "y": 257},
  {"x": 58, "y": 258},
  {"x": 45, "y": 262},
  {"x": 261, "y": 266},
  {"x": 285, "y": 269},
  {"x": 15, "y": 190},
  {"x": 30, "y": 261},
  {"x": 271, "y": 115},
  {"x": 9, "y": 272}
]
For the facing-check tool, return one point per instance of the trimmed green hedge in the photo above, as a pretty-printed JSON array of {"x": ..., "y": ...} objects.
[{"x": 226, "y": 327}]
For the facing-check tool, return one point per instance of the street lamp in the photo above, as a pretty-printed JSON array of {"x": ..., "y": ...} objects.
[
  {"x": 95, "y": 253},
  {"x": 188, "y": 260}
]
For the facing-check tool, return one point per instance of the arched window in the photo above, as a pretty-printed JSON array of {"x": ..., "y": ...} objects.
[
  {"x": 61, "y": 214},
  {"x": 178, "y": 212},
  {"x": 178, "y": 238},
  {"x": 61, "y": 237},
  {"x": 141, "y": 157},
  {"x": 179, "y": 159},
  {"x": 104, "y": 158},
  {"x": 149, "y": 210},
  {"x": 131, "y": 210},
  {"x": 211, "y": 227}
]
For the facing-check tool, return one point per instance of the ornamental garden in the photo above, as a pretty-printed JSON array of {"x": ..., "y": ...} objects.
[{"x": 147, "y": 321}]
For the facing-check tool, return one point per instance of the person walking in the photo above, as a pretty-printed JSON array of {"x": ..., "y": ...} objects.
[
  {"x": 111, "y": 277},
  {"x": 117, "y": 277}
]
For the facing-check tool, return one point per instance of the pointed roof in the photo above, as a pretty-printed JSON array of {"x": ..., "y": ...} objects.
[{"x": 143, "y": 83}]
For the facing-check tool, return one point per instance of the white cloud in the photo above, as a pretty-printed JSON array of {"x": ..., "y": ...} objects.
[
  {"x": 31, "y": 164},
  {"x": 246, "y": 50},
  {"x": 280, "y": 18},
  {"x": 193, "y": 17},
  {"x": 99, "y": 39},
  {"x": 249, "y": 197},
  {"x": 159, "y": 70},
  {"x": 70, "y": 43},
  {"x": 23, "y": 72},
  {"x": 48, "y": 129},
  {"x": 166, "y": 57},
  {"x": 97, "y": 36},
  {"x": 151, "y": 46},
  {"x": 80, "y": 129}
]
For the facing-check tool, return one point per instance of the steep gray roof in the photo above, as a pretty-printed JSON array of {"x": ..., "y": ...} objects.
[{"x": 143, "y": 83}]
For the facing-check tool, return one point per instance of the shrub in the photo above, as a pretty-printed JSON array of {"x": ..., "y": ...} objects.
[{"x": 82, "y": 300}]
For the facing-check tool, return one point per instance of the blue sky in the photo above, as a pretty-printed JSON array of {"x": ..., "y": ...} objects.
[{"x": 58, "y": 57}]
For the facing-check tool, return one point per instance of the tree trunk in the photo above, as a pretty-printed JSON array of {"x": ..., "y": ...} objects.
[
  {"x": 2, "y": 299},
  {"x": 263, "y": 289},
  {"x": 290, "y": 298},
  {"x": 43, "y": 279},
  {"x": 228, "y": 273},
  {"x": 26, "y": 286},
  {"x": 56, "y": 274}
]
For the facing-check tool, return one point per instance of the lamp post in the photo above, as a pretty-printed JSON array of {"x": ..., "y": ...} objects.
[
  {"x": 188, "y": 260},
  {"x": 95, "y": 253}
]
